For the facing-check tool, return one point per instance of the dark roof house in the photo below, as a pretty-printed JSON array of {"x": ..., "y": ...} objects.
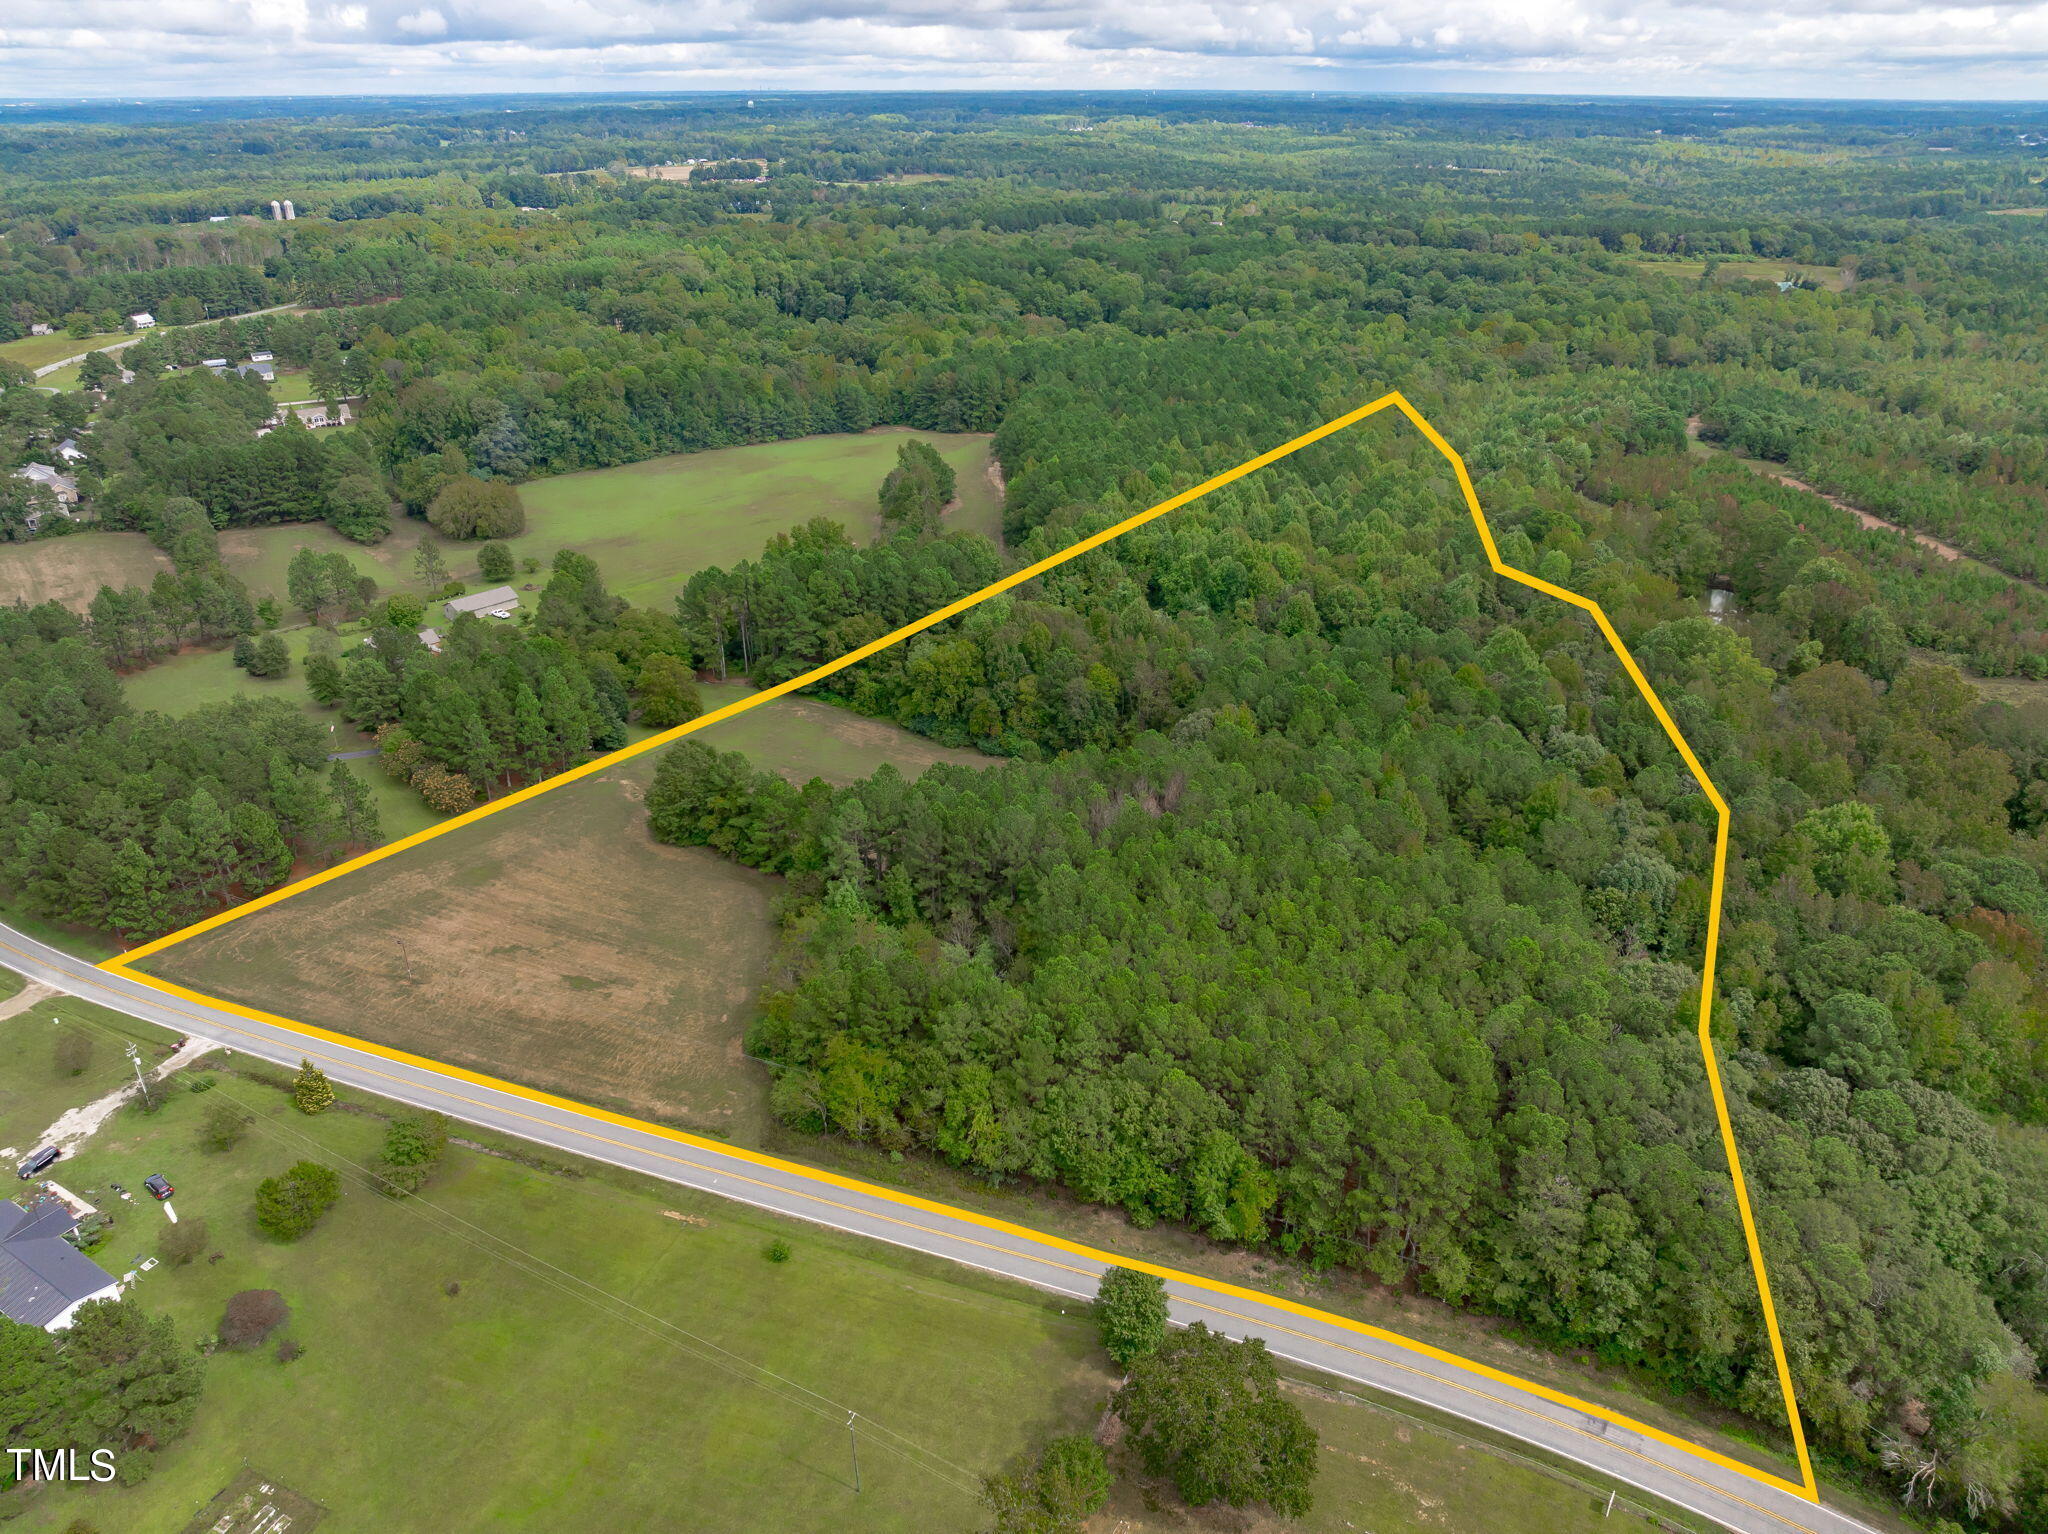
[{"x": 43, "y": 1277}]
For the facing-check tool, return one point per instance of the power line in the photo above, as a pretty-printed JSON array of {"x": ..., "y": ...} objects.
[{"x": 615, "y": 1307}]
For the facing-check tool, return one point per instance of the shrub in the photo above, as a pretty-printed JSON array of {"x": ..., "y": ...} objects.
[
  {"x": 494, "y": 562},
  {"x": 182, "y": 1242},
  {"x": 73, "y": 1052},
  {"x": 223, "y": 1127},
  {"x": 251, "y": 1317},
  {"x": 776, "y": 1251},
  {"x": 289, "y": 1206}
]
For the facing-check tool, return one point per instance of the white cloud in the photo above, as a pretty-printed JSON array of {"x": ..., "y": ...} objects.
[{"x": 1819, "y": 47}]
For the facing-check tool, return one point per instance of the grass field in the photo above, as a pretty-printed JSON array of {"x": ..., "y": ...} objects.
[
  {"x": 802, "y": 739},
  {"x": 72, "y": 569},
  {"x": 559, "y": 944},
  {"x": 1832, "y": 278},
  {"x": 33, "y": 1095},
  {"x": 41, "y": 351},
  {"x": 451, "y": 1382},
  {"x": 651, "y": 525}
]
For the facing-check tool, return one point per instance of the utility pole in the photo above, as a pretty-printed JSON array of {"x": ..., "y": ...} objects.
[
  {"x": 853, "y": 1442},
  {"x": 135, "y": 1059}
]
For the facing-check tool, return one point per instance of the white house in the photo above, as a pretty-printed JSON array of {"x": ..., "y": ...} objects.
[
  {"x": 69, "y": 450},
  {"x": 43, "y": 1277},
  {"x": 40, "y": 329},
  {"x": 261, "y": 357},
  {"x": 142, "y": 319},
  {"x": 498, "y": 602}
]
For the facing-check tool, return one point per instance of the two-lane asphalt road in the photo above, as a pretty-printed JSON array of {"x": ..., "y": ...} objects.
[{"x": 1638, "y": 1459}]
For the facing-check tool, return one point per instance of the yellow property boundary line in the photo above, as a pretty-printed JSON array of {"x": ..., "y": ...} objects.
[{"x": 1806, "y": 1488}]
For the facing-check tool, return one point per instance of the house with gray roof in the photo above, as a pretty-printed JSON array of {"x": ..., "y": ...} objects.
[
  {"x": 43, "y": 1277},
  {"x": 498, "y": 602}
]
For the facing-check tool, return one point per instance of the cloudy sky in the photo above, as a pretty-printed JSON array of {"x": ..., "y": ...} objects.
[{"x": 1903, "y": 48}]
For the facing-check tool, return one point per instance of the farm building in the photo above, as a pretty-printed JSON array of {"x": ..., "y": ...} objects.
[
  {"x": 498, "y": 602},
  {"x": 43, "y": 1277},
  {"x": 142, "y": 319}
]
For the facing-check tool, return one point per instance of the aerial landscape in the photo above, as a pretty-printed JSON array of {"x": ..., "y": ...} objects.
[{"x": 1034, "y": 810}]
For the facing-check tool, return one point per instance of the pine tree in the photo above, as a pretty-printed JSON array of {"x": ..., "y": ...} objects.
[
  {"x": 311, "y": 1090},
  {"x": 136, "y": 905},
  {"x": 355, "y": 807}
]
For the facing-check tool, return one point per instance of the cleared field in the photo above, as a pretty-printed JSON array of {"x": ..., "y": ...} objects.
[
  {"x": 1832, "y": 278},
  {"x": 558, "y": 944},
  {"x": 802, "y": 739},
  {"x": 41, "y": 351},
  {"x": 651, "y": 525},
  {"x": 72, "y": 569}
]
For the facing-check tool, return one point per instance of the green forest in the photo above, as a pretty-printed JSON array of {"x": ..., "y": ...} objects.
[{"x": 1335, "y": 898}]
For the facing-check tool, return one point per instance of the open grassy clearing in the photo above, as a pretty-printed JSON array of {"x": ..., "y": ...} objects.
[
  {"x": 72, "y": 569},
  {"x": 478, "y": 1403},
  {"x": 651, "y": 525},
  {"x": 1832, "y": 278},
  {"x": 33, "y": 1095},
  {"x": 803, "y": 739},
  {"x": 41, "y": 351},
  {"x": 559, "y": 945}
]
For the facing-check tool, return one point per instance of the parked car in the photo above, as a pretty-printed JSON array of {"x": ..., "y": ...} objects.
[
  {"x": 45, "y": 1157},
  {"x": 158, "y": 1185}
]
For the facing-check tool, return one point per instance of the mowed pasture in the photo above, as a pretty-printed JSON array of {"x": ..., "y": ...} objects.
[
  {"x": 652, "y": 525},
  {"x": 558, "y": 944}
]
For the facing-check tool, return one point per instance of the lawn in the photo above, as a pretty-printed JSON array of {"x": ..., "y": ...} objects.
[
  {"x": 71, "y": 569},
  {"x": 651, "y": 525},
  {"x": 33, "y": 1095},
  {"x": 41, "y": 351},
  {"x": 515, "y": 1402},
  {"x": 450, "y": 1380}
]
